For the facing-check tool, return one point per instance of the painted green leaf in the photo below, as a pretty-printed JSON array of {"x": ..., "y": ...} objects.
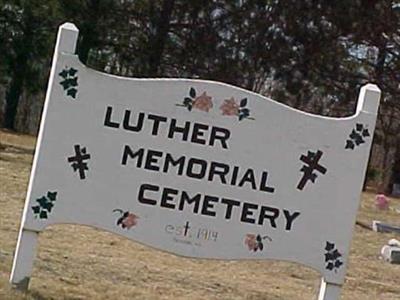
[
  {"x": 48, "y": 206},
  {"x": 72, "y": 92},
  {"x": 52, "y": 196},
  {"x": 329, "y": 246},
  {"x": 36, "y": 209},
  {"x": 245, "y": 111},
  {"x": 73, "y": 81},
  {"x": 65, "y": 84},
  {"x": 243, "y": 102},
  {"x": 192, "y": 92},
  {"x": 43, "y": 214},
  {"x": 42, "y": 201},
  {"x": 72, "y": 71},
  {"x": 63, "y": 74},
  {"x": 338, "y": 263}
]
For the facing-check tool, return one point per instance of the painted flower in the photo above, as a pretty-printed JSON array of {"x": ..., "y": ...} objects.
[
  {"x": 203, "y": 102},
  {"x": 230, "y": 107},
  {"x": 255, "y": 242},
  {"x": 251, "y": 242},
  {"x": 127, "y": 219}
]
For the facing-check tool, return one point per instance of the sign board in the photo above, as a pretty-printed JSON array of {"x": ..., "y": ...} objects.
[{"x": 196, "y": 168}]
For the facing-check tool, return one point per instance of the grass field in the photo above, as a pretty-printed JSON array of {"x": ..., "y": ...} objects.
[{"x": 76, "y": 262}]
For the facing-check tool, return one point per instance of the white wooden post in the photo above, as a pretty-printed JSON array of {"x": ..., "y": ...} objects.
[
  {"x": 368, "y": 101},
  {"x": 27, "y": 239},
  {"x": 329, "y": 291}
]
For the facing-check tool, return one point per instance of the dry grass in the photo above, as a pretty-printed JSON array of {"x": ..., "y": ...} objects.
[{"x": 76, "y": 262}]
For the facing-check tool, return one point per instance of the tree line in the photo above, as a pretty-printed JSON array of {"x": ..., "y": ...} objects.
[{"x": 313, "y": 55}]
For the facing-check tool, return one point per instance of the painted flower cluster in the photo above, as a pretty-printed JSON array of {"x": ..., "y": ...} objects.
[
  {"x": 332, "y": 257},
  {"x": 45, "y": 205},
  {"x": 70, "y": 82},
  {"x": 357, "y": 136},
  {"x": 255, "y": 242},
  {"x": 126, "y": 220},
  {"x": 229, "y": 107}
]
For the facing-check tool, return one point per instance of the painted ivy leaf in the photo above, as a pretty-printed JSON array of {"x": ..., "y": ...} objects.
[
  {"x": 241, "y": 117},
  {"x": 245, "y": 111},
  {"x": 359, "y": 141},
  {"x": 243, "y": 102},
  {"x": 192, "y": 92},
  {"x": 328, "y": 256},
  {"x": 72, "y": 71},
  {"x": 336, "y": 254},
  {"x": 338, "y": 263},
  {"x": 258, "y": 238},
  {"x": 189, "y": 107},
  {"x": 261, "y": 246},
  {"x": 359, "y": 127},
  {"x": 52, "y": 196},
  {"x": 329, "y": 246},
  {"x": 42, "y": 201},
  {"x": 72, "y": 92},
  {"x": 365, "y": 133},
  {"x": 354, "y": 135},
  {"x": 330, "y": 266},
  {"x": 65, "y": 84},
  {"x": 63, "y": 74},
  {"x": 43, "y": 214},
  {"x": 187, "y": 101},
  {"x": 48, "y": 206},
  {"x": 36, "y": 209},
  {"x": 349, "y": 144},
  {"x": 73, "y": 81}
]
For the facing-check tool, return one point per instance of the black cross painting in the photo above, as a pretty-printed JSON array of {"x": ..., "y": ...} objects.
[
  {"x": 78, "y": 161},
  {"x": 311, "y": 164}
]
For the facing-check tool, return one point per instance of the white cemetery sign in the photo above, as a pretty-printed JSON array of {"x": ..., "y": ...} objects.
[{"x": 196, "y": 168}]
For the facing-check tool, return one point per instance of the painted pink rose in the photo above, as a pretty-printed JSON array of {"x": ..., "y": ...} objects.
[
  {"x": 203, "y": 102},
  {"x": 129, "y": 221},
  {"x": 251, "y": 241},
  {"x": 229, "y": 107}
]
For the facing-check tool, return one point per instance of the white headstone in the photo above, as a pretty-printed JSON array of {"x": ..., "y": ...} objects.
[
  {"x": 198, "y": 168},
  {"x": 396, "y": 190}
]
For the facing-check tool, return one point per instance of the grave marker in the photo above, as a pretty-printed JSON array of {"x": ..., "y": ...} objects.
[{"x": 196, "y": 168}]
